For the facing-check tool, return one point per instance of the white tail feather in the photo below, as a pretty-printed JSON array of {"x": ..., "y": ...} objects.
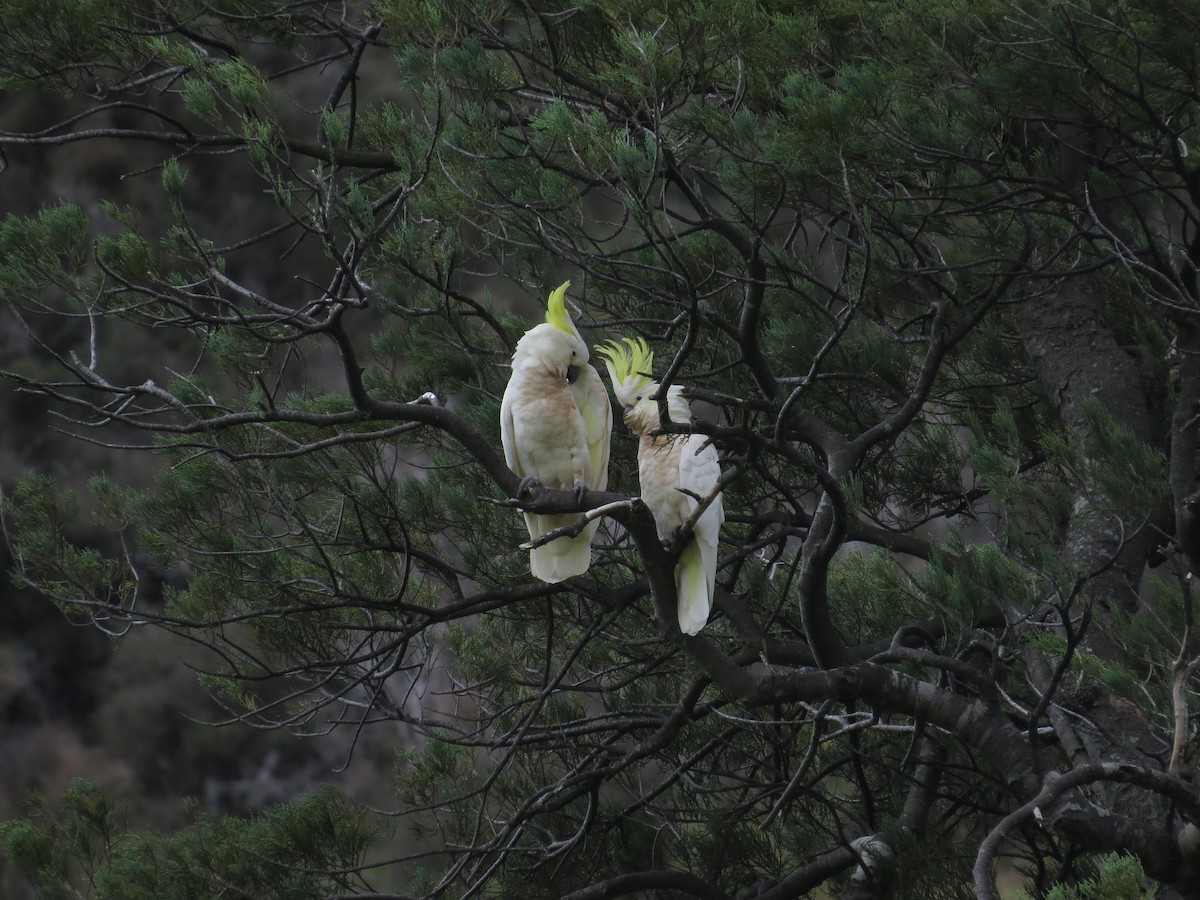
[
  {"x": 563, "y": 557},
  {"x": 694, "y": 577}
]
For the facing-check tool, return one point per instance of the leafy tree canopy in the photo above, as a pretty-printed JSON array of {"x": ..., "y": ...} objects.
[{"x": 931, "y": 265}]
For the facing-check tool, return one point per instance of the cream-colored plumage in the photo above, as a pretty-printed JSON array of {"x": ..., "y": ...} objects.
[
  {"x": 676, "y": 473},
  {"x": 555, "y": 425}
]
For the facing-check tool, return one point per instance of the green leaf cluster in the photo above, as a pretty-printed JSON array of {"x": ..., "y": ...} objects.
[
  {"x": 1118, "y": 877},
  {"x": 47, "y": 250},
  {"x": 298, "y": 850}
]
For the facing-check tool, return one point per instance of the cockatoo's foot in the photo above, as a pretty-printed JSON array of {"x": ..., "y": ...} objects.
[
  {"x": 580, "y": 491},
  {"x": 528, "y": 483}
]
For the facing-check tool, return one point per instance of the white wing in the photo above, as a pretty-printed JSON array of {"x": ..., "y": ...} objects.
[
  {"x": 508, "y": 434},
  {"x": 592, "y": 400},
  {"x": 696, "y": 573},
  {"x": 699, "y": 472}
]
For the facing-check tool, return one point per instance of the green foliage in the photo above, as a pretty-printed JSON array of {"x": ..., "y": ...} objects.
[
  {"x": 44, "y": 251},
  {"x": 201, "y": 100},
  {"x": 1120, "y": 680},
  {"x": 828, "y": 220},
  {"x": 967, "y": 580},
  {"x": 1126, "y": 472},
  {"x": 873, "y": 593},
  {"x": 41, "y": 513},
  {"x": 84, "y": 849},
  {"x": 36, "y": 36},
  {"x": 174, "y": 178},
  {"x": 129, "y": 255},
  {"x": 1119, "y": 877}
]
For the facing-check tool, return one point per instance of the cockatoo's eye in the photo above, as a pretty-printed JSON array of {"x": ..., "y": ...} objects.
[
  {"x": 639, "y": 398},
  {"x": 572, "y": 354}
]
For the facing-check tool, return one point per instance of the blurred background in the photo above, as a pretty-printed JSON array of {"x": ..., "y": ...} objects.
[{"x": 126, "y": 711}]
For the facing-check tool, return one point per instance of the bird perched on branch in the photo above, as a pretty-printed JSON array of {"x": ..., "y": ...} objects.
[
  {"x": 555, "y": 424},
  {"x": 678, "y": 473}
]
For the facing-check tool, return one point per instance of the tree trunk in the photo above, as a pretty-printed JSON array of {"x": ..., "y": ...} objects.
[{"x": 1076, "y": 357}]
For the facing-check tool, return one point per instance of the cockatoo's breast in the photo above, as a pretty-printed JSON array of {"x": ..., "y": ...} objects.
[
  {"x": 658, "y": 476},
  {"x": 548, "y": 430}
]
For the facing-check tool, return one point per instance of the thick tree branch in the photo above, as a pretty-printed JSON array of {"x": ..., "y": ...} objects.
[
  {"x": 637, "y": 882},
  {"x": 1041, "y": 807}
]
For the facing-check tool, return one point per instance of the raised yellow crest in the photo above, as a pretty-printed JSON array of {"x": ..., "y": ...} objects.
[
  {"x": 556, "y": 309},
  {"x": 630, "y": 365}
]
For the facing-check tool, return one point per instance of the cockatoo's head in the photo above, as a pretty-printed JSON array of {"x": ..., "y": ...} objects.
[
  {"x": 630, "y": 363},
  {"x": 556, "y": 343}
]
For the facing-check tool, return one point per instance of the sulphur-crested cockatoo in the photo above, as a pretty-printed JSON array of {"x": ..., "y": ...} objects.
[
  {"x": 677, "y": 473},
  {"x": 555, "y": 423}
]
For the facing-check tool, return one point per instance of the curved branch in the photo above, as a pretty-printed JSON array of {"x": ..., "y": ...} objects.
[
  {"x": 661, "y": 879},
  {"x": 342, "y": 156},
  {"x": 1055, "y": 786},
  {"x": 969, "y": 720},
  {"x": 752, "y": 303},
  {"x": 812, "y": 875}
]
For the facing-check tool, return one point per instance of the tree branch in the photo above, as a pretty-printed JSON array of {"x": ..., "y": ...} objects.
[
  {"x": 1055, "y": 786},
  {"x": 637, "y": 882}
]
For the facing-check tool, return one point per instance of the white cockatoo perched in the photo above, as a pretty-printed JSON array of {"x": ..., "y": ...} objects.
[
  {"x": 677, "y": 472},
  {"x": 555, "y": 424}
]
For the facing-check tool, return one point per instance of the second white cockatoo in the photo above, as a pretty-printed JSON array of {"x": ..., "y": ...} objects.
[
  {"x": 555, "y": 424},
  {"x": 677, "y": 472}
]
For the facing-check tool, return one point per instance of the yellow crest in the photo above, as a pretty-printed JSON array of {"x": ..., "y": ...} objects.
[
  {"x": 631, "y": 365},
  {"x": 556, "y": 309}
]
